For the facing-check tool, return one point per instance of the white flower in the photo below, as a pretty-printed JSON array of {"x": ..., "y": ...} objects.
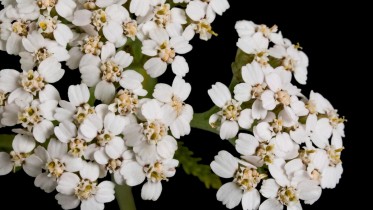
[
  {"x": 105, "y": 72},
  {"x": 141, "y": 8},
  {"x": 85, "y": 190},
  {"x": 256, "y": 151},
  {"x": 47, "y": 166},
  {"x": 19, "y": 26},
  {"x": 121, "y": 27},
  {"x": 293, "y": 60},
  {"x": 22, "y": 147},
  {"x": 289, "y": 186},
  {"x": 126, "y": 101},
  {"x": 164, "y": 16},
  {"x": 78, "y": 108},
  {"x": 35, "y": 116},
  {"x": 52, "y": 26},
  {"x": 39, "y": 49},
  {"x": 218, "y": 6},
  {"x": 230, "y": 115},
  {"x": 84, "y": 45},
  {"x": 252, "y": 88},
  {"x": 248, "y": 28},
  {"x": 160, "y": 170},
  {"x": 32, "y": 83},
  {"x": 164, "y": 51},
  {"x": 105, "y": 129},
  {"x": 325, "y": 166},
  {"x": 174, "y": 98},
  {"x": 68, "y": 133},
  {"x": 273, "y": 129},
  {"x": 280, "y": 89},
  {"x": 97, "y": 19},
  {"x": 150, "y": 139},
  {"x": 243, "y": 187},
  {"x": 202, "y": 18},
  {"x": 115, "y": 162},
  {"x": 256, "y": 45}
]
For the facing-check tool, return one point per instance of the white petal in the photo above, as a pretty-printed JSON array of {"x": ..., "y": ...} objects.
[
  {"x": 101, "y": 157},
  {"x": 219, "y": 94},
  {"x": 9, "y": 80},
  {"x": 63, "y": 34},
  {"x": 57, "y": 149},
  {"x": 78, "y": 94},
  {"x": 6, "y": 165},
  {"x": 155, "y": 67},
  {"x": 133, "y": 173},
  {"x": 105, "y": 91},
  {"x": 82, "y": 17},
  {"x": 46, "y": 183},
  {"x": 49, "y": 93},
  {"x": 224, "y": 164},
  {"x": 253, "y": 74},
  {"x": 245, "y": 120},
  {"x": 113, "y": 123},
  {"x": 91, "y": 204},
  {"x": 251, "y": 200},
  {"x": 66, "y": 9},
  {"x": 263, "y": 131},
  {"x": 115, "y": 148},
  {"x": 67, "y": 201},
  {"x": 271, "y": 204},
  {"x": 269, "y": 188},
  {"x": 67, "y": 183},
  {"x": 179, "y": 66},
  {"x": 47, "y": 109},
  {"x": 112, "y": 31},
  {"x": 268, "y": 100},
  {"x": 105, "y": 192},
  {"x": 309, "y": 191},
  {"x": 151, "y": 190},
  {"x": 23, "y": 143},
  {"x": 246, "y": 144},
  {"x": 90, "y": 171},
  {"x": 107, "y": 51},
  {"x": 242, "y": 92},
  {"x": 51, "y": 70},
  {"x": 72, "y": 164},
  {"x": 123, "y": 59},
  {"x": 228, "y": 129},
  {"x": 196, "y": 10},
  {"x": 219, "y": 6},
  {"x": 43, "y": 131},
  {"x": 181, "y": 45},
  {"x": 163, "y": 93},
  {"x": 33, "y": 166},
  {"x": 258, "y": 111},
  {"x": 166, "y": 147},
  {"x": 230, "y": 194}
]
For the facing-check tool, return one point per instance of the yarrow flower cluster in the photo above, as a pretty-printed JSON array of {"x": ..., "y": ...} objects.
[
  {"x": 110, "y": 124},
  {"x": 295, "y": 147}
]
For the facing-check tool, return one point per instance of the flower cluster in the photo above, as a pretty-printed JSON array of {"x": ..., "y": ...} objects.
[
  {"x": 295, "y": 149},
  {"x": 110, "y": 124}
]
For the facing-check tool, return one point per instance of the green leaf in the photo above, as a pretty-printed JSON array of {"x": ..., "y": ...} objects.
[
  {"x": 6, "y": 141},
  {"x": 192, "y": 166}
]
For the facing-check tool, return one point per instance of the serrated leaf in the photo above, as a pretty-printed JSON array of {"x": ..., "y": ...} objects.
[{"x": 192, "y": 166}]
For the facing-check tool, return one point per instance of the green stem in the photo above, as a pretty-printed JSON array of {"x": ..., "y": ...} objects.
[
  {"x": 201, "y": 120},
  {"x": 6, "y": 141},
  {"x": 123, "y": 194}
]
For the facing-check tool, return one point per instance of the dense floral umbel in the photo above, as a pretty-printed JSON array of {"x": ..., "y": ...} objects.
[
  {"x": 107, "y": 125},
  {"x": 295, "y": 149}
]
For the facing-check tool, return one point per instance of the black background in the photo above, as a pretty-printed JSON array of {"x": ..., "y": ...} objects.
[{"x": 325, "y": 33}]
